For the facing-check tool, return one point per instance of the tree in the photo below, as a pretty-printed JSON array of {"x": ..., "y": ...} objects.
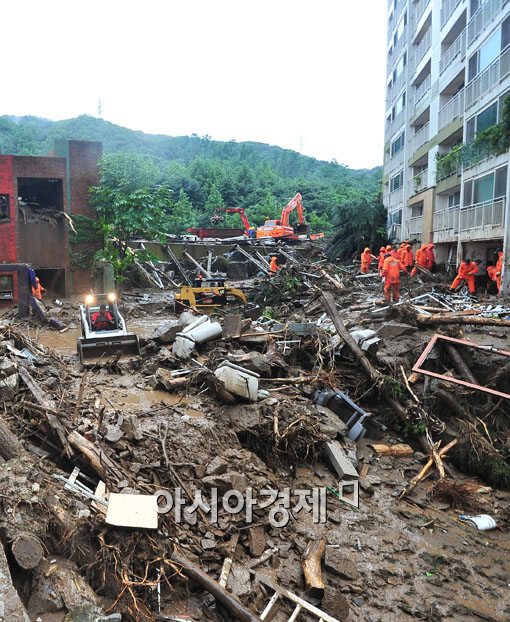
[
  {"x": 182, "y": 216},
  {"x": 214, "y": 201},
  {"x": 360, "y": 223},
  {"x": 127, "y": 209}
]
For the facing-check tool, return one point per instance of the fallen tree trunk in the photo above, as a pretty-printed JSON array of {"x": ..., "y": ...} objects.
[
  {"x": 453, "y": 318},
  {"x": 196, "y": 574},
  {"x": 102, "y": 464},
  {"x": 460, "y": 364},
  {"x": 311, "y": 564}
]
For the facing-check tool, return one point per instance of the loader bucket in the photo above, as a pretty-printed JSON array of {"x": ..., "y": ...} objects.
[{"x": 106, "y": 347}]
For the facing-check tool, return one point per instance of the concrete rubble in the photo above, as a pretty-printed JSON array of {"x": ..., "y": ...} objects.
[{"x": 192, "y": 482}]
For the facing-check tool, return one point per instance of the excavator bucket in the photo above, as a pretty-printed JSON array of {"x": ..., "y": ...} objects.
[{"x": 95, "y": 349}]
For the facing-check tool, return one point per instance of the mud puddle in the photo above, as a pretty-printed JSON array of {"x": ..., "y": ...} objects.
[{"x": 145, "y": 401}]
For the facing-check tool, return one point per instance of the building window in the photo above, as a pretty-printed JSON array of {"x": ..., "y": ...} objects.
[
  {"x": 417, "y": 210},
  {"x": 399, "y": 106},
  {"x": 454, "y": 199},
  {"x": 6, "y": 287},
  {"x": 489, "y": 51},
  {"x": 483, "y": 120},
  {"x": 397, "y": 144},
  {"x": 395, "y": 218},
  {"x": 401, "y": 65},
  {"x": 4, "y": 207},
  {"x": 397, "y": 181},
  {"x": 486, "y": 188}
]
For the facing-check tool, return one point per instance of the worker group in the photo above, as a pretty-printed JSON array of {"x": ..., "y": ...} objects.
[{"x": 391, "y": 262}]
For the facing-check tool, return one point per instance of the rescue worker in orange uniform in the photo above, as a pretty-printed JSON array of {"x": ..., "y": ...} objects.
[
  {"x": 490, "y": 284},
  {"x": 366, "y": 260},
  {"x": 273, "y": 266},
  {"x": 431, "y": 258},
  {"x": 37, "y": 291},
  {"x": 499, "y": 270},
  {"x": 408, "y": 258},
  {"x": 392, "y": 268},
  {"x": 466, "y": 272},
  {"x": 402, "y": 252},
  {"x": 382, "y": 254}
]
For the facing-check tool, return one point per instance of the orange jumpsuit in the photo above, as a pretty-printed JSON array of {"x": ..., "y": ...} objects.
[
  {"x": 38, "y": 291},
  {"x": 467, "y": 273},
  {"x": 366, "y": 260},
  {"x": 409, "y": 259},
  {"x": 273, "y": 266},
  {"x": 391, "y": 272},
  {"x": 402, "y": 253},
  {"x": 382, "y": 253},
  {"x": 499, "y": 270},
  {"x": 431, "y": 259}
]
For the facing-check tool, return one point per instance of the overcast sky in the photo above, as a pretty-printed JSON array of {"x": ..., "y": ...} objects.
[{"x": 303, "y": 74}]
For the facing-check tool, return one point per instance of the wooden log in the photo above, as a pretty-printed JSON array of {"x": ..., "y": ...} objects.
[
  {"x": 10, "y": 447},
  {"x": 417, "y": 479},
  {"x": 331, "y": 280},
  {"x": 453, "y": 318},
  {"x": 437, "y": 460},
  {"x": 196, "y": 574},
  {"x": 102, "y": 464},
  {"x": 28, "y": 551},
  {"x": 400, "y": 449},
  {"x": 460, "y": 364},
  {"x": 312, "y": 570}
]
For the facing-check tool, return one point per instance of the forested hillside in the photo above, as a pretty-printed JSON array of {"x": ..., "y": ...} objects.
[{"x": 257, "y": 176}]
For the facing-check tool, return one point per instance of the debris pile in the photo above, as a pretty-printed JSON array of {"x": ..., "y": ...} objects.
[{"x": 333, "y": 454}]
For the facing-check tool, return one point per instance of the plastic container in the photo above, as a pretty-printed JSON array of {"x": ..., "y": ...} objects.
[
  {"x": 183, "y": 346},
  {"x": 200, "y": 320},
  {"x": 483, "y": 522},
  {"x": 238, "y": 381},
  {"x": 206, "y": 331}
]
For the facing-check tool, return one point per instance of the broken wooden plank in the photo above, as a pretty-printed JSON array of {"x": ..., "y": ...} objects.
[
  {"x": 399, "y": 449},
  {"x": 312, "y": 570}
]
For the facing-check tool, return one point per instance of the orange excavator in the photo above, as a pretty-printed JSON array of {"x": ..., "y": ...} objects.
[
  {"x": 217, "y": 217},
  {"x": 282, "y": 228}
]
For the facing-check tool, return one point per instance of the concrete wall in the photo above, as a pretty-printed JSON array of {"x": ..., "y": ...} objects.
[{"x": 8, "y": 238}]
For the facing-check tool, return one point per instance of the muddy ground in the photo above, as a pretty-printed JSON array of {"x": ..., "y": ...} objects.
[{"x": 386, "y": 560}]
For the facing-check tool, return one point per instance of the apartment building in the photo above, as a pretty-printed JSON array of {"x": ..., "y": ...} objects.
[{"x": 448, "y": 74}]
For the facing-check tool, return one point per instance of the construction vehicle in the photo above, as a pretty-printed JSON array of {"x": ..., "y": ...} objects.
[
  {"x": 99, "y": 339},
  {"x": 207, "y": 295},
  {"x": 282, "y": 228},
  {"x": 218, "y": 217}
]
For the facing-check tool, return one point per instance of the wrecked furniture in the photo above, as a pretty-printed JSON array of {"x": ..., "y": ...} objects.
[{"x": 352, "y": 415}]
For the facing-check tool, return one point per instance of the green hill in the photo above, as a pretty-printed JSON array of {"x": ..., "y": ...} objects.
[{"x": 258, "y": 176}]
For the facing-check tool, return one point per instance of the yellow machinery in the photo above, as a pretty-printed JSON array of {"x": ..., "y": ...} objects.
[{"x": 207, "y": 295}]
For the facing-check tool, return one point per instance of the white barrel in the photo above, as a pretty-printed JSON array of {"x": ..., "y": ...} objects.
[{"x": 206, "y": 331}]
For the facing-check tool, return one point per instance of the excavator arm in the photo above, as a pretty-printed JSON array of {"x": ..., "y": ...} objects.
[
  {"x": 231, "y": 210},
  {"x": 295, "y": 203}
]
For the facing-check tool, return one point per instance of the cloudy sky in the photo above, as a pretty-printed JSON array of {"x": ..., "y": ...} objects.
[{"x": 303, "y": 74}]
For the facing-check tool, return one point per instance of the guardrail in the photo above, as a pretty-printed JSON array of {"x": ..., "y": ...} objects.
[
  {"x": 414, "y": 226},
  {"x": 422, "y": 47},
  {"x": 420, "y": 138},
  {"x": 447, "y": 8},
  {"x": 418, "y": 183},
  {"x": 483, "y": 216},
  {"x": 488, "y": 79},
  {"x": 422, "y": 90},
  {"x": 454, "y": 109},
  {"x": 456, "y": 50},
  {"x": 481, "y": 19},
  {"x": 419, "y": 9}
]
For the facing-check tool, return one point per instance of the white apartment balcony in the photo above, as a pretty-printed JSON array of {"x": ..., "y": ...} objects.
[
  {"x": 422, "y": 90},
  {"x": 396, "y": 197},
  {"x": 482, "y": 18},
  {"x": 447, "y": 8},
  {"x": 391, "y": 127},
  {"x": 420, "y": 138},
  {"x": 395, "y": 162},
  {"x": 418, "y": 183},
  {"x": 422, "y": 48},
  {"x": 414, "y": 226},
  {"x": 482, "y": 221},
  {"x": 396, "y": 87},
  {"x": 488, "y": 79},
  {"x": 419, "y": 9},
  {"x": 446, "y": 225},
  {"x": 457, "y": 50},
  {"x": 395, "y": 52},
  {"x": 452, "y": 110}
]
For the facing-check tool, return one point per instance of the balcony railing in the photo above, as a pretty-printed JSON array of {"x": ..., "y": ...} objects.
[
  {"x": 482, "y": 219},
  {"x": 482, "y": 18},
  {"x": 395, "y": 161},
  {"x": 447, "y": 8},
  {"x": 414, "y": 226},
  {"x": 422, "y": 47},
  {"x": 420, "y": 138},
  {"x": 396, "y": 197},
  {"x": 419, "y": 9},
  {"x": 454, "y": 109},
  {"x": 422, "y": 90},
  {"x": 418, "y": 183},
  {"x": 446, "y": 224},
  {"x": 396, "y": 86},
  {"x": 395, "y": 123},
  {"x": 457, "y": 50},
  {"x": 396, "y": 51},
  {"x": 488, "y": 79}
]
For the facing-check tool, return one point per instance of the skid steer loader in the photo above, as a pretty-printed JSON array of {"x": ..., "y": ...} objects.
[{"x": 103, "y": 330}]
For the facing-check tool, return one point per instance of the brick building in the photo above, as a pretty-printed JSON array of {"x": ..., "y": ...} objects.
[{"x": 37, "y": 195}]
